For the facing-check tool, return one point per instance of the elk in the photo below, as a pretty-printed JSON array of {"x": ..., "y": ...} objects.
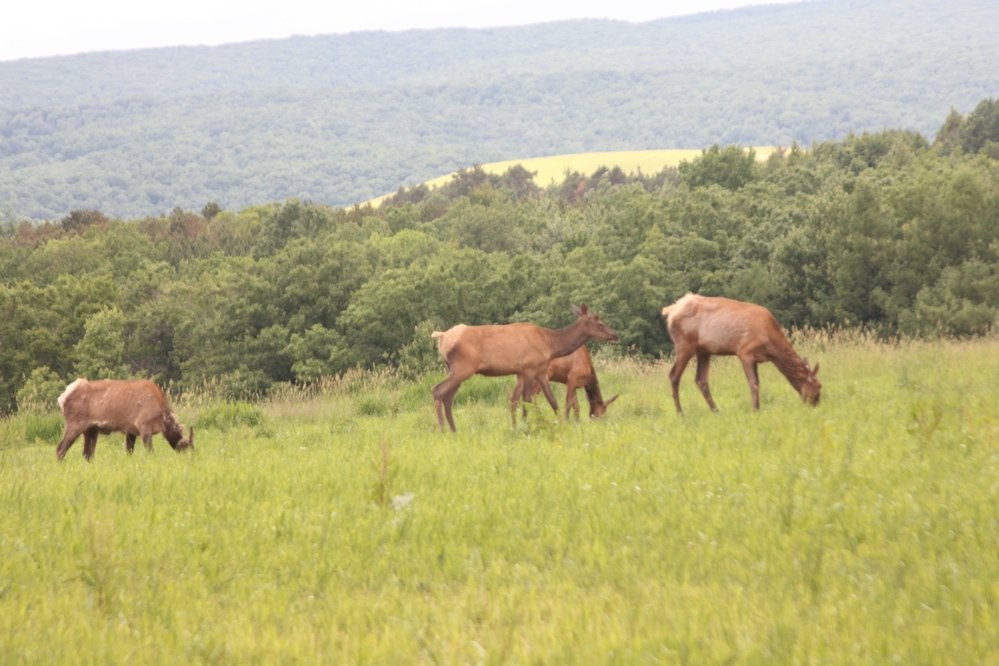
[
  {"x": 704, "y": 326},
  {"x": 136, "y": 407},
  {"x": 576, "y": 371},
  {"x": 521, "y": 349}
]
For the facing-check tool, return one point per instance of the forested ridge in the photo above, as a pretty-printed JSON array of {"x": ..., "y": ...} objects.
[
  {"x": 885, "y": 230},
  {"x": 339, "y": 119}
]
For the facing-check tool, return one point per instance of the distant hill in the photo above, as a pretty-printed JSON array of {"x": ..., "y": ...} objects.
[{"x": 342, "y": 119}]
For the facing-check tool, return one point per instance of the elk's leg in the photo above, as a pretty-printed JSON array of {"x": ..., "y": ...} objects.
[
  {"x": 443, "y": 397},
  {"x": 571, "y": 402},
  {"x": 528, "y": 396},
  {"x": 129, "y": 443},
  {"x": 448, "y": 401},
  {"x": 703, "y": 364},
  {"x": 753, "y": 377},
  {"x": 546, "y": 388},
  {"x": 69, "y": 435},
  {"x": 675, "y": 372},
  {"x": 89, "y": 442},
  {"x": 147, "y": 440},
  {"x": 439, "y": 411},
  {"x": 521, "y": 391}
]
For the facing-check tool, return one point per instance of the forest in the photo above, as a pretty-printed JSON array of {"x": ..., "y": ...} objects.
[
  {"x": 886, "y": 231},
  {"x": 339, "y": 119}
]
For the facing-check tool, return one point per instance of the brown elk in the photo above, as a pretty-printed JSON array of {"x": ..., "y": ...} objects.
[
  {"x": 521, "y": 349},
  {"x": 136, "y": 407},
  {"x": 576, "y": 371},
  {"x": 704, "y": 326}
]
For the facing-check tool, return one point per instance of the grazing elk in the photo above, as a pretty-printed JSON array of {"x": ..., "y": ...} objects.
[
  {"x": 576, "y": 371},
  {"x": 136, "y": 407},
  {"x": 706, "y": 326},
  {"x": 520, "y": 349}
]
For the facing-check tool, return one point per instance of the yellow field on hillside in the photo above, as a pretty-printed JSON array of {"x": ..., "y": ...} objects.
[{"x": 553, "y": 168}]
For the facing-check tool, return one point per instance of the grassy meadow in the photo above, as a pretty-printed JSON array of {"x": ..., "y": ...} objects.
[{"x": 341, "y": 528}]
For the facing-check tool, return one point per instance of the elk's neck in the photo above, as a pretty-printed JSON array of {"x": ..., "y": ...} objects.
[
  {"x": 592, "y": 389},
  {"x": 790, "y": 365},
  {"x": 172, "y": 431},
  {"x": 564, "y": 341}
]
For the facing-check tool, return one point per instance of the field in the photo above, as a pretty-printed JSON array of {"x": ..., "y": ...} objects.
[
  {"x": 552, "y": 169},
  {"x": 341, "y": 528}
]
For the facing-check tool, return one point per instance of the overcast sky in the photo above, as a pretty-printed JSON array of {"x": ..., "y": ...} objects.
[{"x": 38, "y": 28}]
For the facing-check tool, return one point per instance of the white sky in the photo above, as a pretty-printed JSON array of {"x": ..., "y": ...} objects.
[{"x": 38, "y": 28}]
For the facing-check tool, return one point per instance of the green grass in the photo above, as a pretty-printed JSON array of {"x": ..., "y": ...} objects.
[{"x": 332, "y": 530}]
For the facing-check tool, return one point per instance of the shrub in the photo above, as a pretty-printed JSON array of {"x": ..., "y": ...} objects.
[{"x": 41, "y": 390}]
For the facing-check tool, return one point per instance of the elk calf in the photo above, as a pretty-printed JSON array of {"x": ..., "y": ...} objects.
[
  {"x": 520, "y": 349},
  {"x": 576, "y": 371},
  {"x": 136, "y": 407},
  {"x": 703, "y": 326}
]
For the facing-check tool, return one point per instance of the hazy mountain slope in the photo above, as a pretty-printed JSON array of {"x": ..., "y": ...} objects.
[{"x": 339, "y": 119}]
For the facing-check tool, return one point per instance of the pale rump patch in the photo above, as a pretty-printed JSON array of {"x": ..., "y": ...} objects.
[
  {"x": 66, "y": 393},
  {"x": 679, "y": 306},
  {"x": 446, "y": 340}
]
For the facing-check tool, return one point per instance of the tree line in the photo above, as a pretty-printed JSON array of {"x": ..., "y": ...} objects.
[{"x": 885, "y": 230}]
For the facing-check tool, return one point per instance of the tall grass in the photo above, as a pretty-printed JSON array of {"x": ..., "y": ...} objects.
[{"x": 863, "y": 531}]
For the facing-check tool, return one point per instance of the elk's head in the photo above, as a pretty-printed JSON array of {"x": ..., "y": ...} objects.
[
  {"x": 598, "y": 409},
  {"x": 187, "y": 442},
  {"x": 173, "y": 431},
  {"x": 594, "y": 327},
  {"x": 811, "y": 387}
]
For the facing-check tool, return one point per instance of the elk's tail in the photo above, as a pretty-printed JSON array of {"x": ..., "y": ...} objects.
[
  {"x": 64, "y": 396},
  {"x": 678, "y": 305}
]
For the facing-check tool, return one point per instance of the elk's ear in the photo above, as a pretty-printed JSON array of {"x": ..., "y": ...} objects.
[
  {"x": 816, "y": 370},
  {"x": 607, "y": 404},
  {"x": 581, "y": 310}
]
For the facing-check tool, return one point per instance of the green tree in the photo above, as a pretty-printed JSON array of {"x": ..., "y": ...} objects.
[
  {"x": 730, "y": 167},
  {"x": 860, "y": 241},
  {"x": 457, "y": 285},
  {"x": 80, "y": 220},
  {"x": 210, "y": 210},
  {"x": 313, "y": 354},
  {"x": 312, "y": 281},
  {"x": 980, "y": 131},
  {"x": 40, "y": 391},
  {"x": 963, "y": 302},
  {"x": 948, "y": 137},
  {"x": 633, "y": 301},
  {"x": 100, "y": 353}
]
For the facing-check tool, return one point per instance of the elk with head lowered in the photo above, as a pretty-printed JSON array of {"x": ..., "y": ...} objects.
[
  {"x": 521, "y": 349},
  {"x": 705, "y": 326},
  {"x": 136, "y": 407}
]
